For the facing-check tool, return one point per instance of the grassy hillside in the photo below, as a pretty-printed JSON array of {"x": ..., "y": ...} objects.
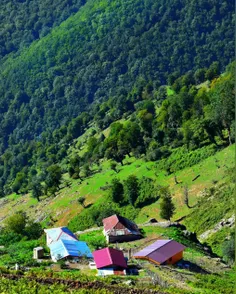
[{"x": 64, "y": 207}]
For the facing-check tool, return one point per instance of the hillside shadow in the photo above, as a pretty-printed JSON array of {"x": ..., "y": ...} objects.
[
  {"x": 89, "y": 205},
  {"x": 192, "y": 267},
  {"x": 147, "y": 202}
]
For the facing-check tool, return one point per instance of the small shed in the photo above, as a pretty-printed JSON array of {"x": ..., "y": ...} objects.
[
  {"x": 38, "y": 253},
  {"x": 162, "y": 252},
  {"x": 69, "y": 249},
  {"x": 110, "y": 261},
  {"x": 120, "y": 229}
]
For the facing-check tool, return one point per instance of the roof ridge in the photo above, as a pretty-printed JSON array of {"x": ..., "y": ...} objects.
[
  {"x": 160, "y": 246},
  {"x": 110, "y": 257},
  {"x": 63, "y": 245}
]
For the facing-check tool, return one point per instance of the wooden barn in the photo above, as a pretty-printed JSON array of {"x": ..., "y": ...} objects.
[
  {"x": 120, "y": 229},
  {"x": 162, "y": 252},
  {"x": 110, "y": 261}
]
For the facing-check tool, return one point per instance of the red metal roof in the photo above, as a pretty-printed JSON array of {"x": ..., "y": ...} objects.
[
  {"x": 110, "y": 222},
  {"x": 161, "y": 250},
  {"x": 109, "y": 257}
]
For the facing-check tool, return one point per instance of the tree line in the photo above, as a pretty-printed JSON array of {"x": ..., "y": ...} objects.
[{"x": 154, "y": 124}]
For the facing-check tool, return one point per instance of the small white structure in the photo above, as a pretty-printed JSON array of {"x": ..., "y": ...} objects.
[
  {"x": 110, "y": 271},
  {"x": 92, "y": 265},
  {"x": 38, "y": 253}
]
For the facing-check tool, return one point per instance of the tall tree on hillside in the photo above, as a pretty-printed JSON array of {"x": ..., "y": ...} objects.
[
  {"x": 17, "y": 222},
  {"x": 167, "y": 206},
  {"x": 53, "y": 178},
  {"x": 222, "y": 98},
  {"x": 37, "y": 189},
  {"x": 131, "y": 189},
  {"x": 117, "y": 191}
]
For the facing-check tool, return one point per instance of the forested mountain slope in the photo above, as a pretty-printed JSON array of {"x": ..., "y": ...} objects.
[
  {"x": 102, "y": 51},
  {"x": 24, "y": 21},
  {"x": 107, "y": 61}
]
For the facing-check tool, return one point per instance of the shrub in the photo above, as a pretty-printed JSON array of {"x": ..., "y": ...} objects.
[{"x": 228, "y": 249}]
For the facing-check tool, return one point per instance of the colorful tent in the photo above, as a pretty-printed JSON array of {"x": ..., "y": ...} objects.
[
  {"x": 162, "y": 251},
  {"x": 69, "y": 248},
  {"x": 56, "y": 234}
]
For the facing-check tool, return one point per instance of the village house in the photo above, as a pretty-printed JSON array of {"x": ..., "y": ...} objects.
[
  {"x": 110, "y": 261},
  {"x": 120, "y": 229},
  {"x": 162, "y": 252},
  {"x": 63, "y": 244},
  {"x": 56, "y": 234},
  {"x": 70, "y": 250}
]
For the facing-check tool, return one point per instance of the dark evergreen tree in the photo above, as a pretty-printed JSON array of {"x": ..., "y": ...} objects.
[
  {"x": 117, "y": 191},
  {"x": 131, "y": 189},
  {"x": 167, "y": 207}
]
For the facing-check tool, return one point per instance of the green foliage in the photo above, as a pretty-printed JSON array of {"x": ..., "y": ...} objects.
[
  {"x": 181, "y": 158},
  {"x": 7, "y": 238},
  {"x": 216, "y": 284},
  {"x": 117, "y": 191},
  {"x": 16, "y": 223},
  {"x": 95, "y": 240},
  {"x": 81, "y": 201},
  {"x": 148, "y": 192},
  {"x": 45, "y": 99},
  {"x": 19, "y": 225},
  {"x": 31, "y": 287},
  {"x": 53, "y": 178},
  {"x": 38, "y": 23},
  {"x": 228, "y": 249},
  {"x": 37, "y": 189},
  {"x": 167, "y": 207},
  {"x": 20, "y": 252},
  {"x": 92, "y": 216},
  {"x": 213, "y": 208},
  {"x": 131, "y": 189},
  {"x": 33, "y": 230},
  {"x": 74, "y": 167},
  {"x": 20, "y": 183}
]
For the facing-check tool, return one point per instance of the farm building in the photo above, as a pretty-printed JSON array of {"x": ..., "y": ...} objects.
[
  {"x": 38, "y": 252},
  {"x": 56, "y": 234},
  {"x": 120, "y": 229},
  {"x": 162, "y": 252},
  {"x": 69, "y": 249},
  {"x": 110, "y": 261}
]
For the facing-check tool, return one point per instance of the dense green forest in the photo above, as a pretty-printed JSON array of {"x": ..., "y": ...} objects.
[
  {"x": 23, "y": 22},
  {"x": 110, "y": 60}
]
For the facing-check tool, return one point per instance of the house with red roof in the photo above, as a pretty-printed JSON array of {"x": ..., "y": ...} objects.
[
  {"x": 110, "y": 261},
  {"x": 120, "y": 229},
  {"x": 162, "y": 252}
]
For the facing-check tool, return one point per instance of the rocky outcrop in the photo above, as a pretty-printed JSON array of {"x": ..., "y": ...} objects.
[{"x": 222, "y": 224}]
